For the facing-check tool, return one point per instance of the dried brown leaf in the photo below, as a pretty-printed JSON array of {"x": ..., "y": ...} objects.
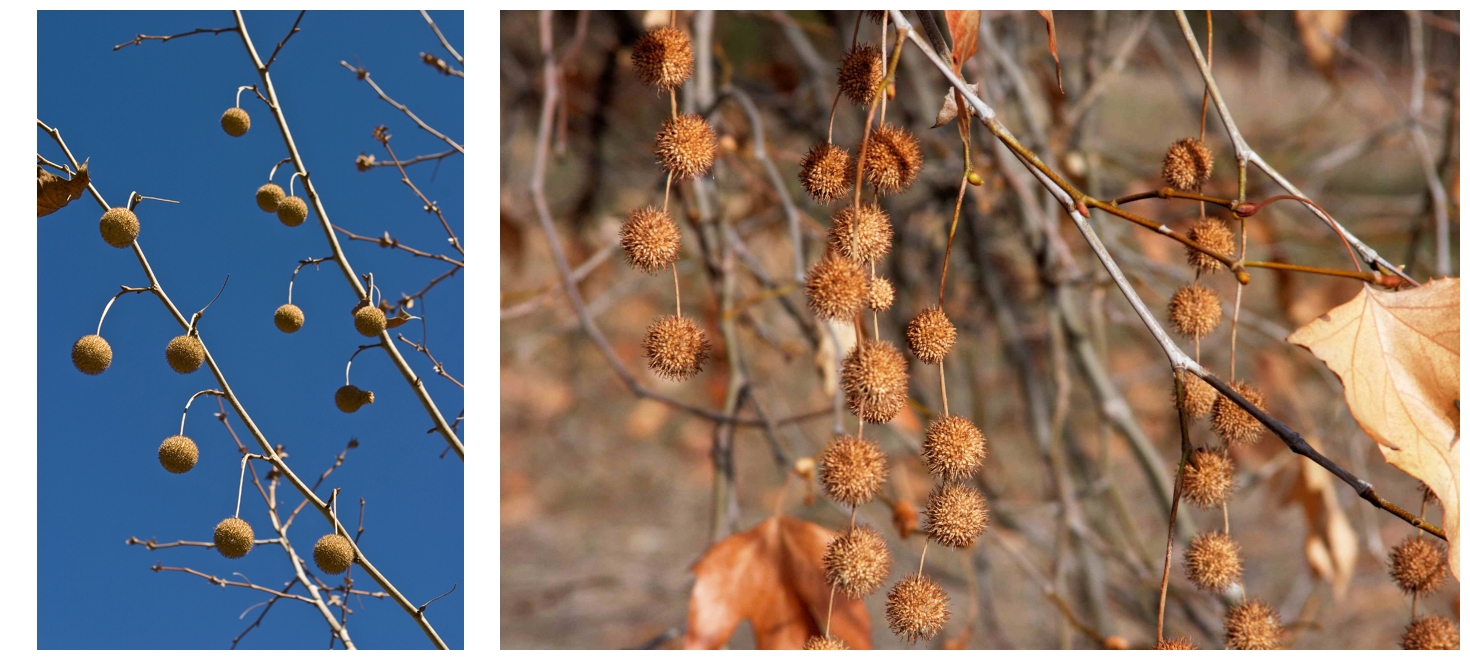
[
  {"x": 1051, "y": 44},
  {"x": 950, "y": 109},
  {"x": 54, "y": 192},
  {"x": 1319, "y": 30},
  {"x": 964, "y": 31},
  {"x": 1331, "y": 545}
]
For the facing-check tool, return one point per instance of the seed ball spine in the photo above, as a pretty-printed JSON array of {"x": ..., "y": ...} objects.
[
  {"x": 233, "y": 537},
  {"x": 268, "y": 197},
  {"x": 178, "y": 454},
  {"x": 860, "y": 74},
  {"x": 1214, "y": 235},
  {"x": 369, "y": 321},
  {"x": 1208, "y": 479},
  {"x": 1212, "y": 562},
  {"x": 119, "y": 227},
  {"x": 1187, "y": 165},
  {"x": 676, "y": 348},
  {"x": 875, "y": 381},
  {"x": 291, "y": 211},
  {"x": 185, "y": 353},
  {"x": 835, "y": 288},
  {"x": 91, "y": 355},
  {"x": 289, "y": 318},
  {"x": 1195, "y": 310},
  {"x": 1177, "y": 644},
  {"x": 953, "y": 448},
  {"x": 350, "y": 398},
  {"x": 879, "y": 296},
  {"x": 333, "y": 554},
  {"x": 1231, "y": 422},
  {"x": 235, "y": 121},
  {"x": 1199, "y": 396},
  {"x": 863, "y": 235}
]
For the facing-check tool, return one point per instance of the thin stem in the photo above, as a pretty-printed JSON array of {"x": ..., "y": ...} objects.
[
  {"x": 452, "y": 52},
  {"x": 240, "y": 492},
  {"x": 115, "y": 296},
  {"x": 953, "y": 223},
  {"x": 348, "y": 373},
  {"x": 190, "y": 402},
  {"x": 362, "y": 74},
  {"x": 678, "y": 303}
]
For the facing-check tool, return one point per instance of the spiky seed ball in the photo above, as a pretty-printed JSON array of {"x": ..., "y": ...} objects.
[
  {"x": 953, "y": 448},
  {"x": 955, "y": 515},
  {"x": 350, "y": 398},
  {"x": 1252, "y": 626},
  {"x": 893, "y": 159},
  {"x": 1212, "y": 561},
  {"x": 289, "y": 318},
  {"x": 235, "y": 122},
  {"x": 875, "y": 379},
  {"x": 663, "y": 58},
  {"x": 1194, "y": 310},
  {"x": 333, "y": 554},
  {"x": 1214, "y": 235},
  {"x": 1231, "y": 422},
  {"x": 685, "y": 146},
  {"x": 369, "y": 321},
  {"x": 178, "y": 454},
  {"x": 930, "y": 335},
  {"x": 91, "y": 355},
  {"x": 835, "y": 288},
  {"x": 185, "y": 353},
  {"x": 826, "y": 172},
  {"x": 119, "y": 227},
  {"x": 863, "y": 236},
  {"x": 1431, "y": 633},
  {"x": 819, "y": 643},
  {"x": 853, "y": 470},
  {"x": 879, "y": 296},
  {"x": 1177, "y": 644},
  {"x": 1199, "y": 396},
  {"x": 857, "y": 562},
  {"x": 917, "y": 608},
  {"x": 1417, "y": 566},
  {"x": 650, "y": 239},
  {"x": 1209, "y": 479},
  {"x": 860, "y": 74},
  {"x": 233, "y": 538},
  {"x": 675, "y": 347},
  {"x": 1187, "y": 165},
  {"x": 268, "y": 197},
  {"x": 291, "y": 211}
]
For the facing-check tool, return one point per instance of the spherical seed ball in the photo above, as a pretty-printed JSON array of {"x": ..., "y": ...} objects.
[
  {"x": 1209, "y": 479},
  {"x": 1231, "y": 422},
  {"x": 1431, "y": 633},
  {"x": 650, "y": 239},
  {"x": 857, "y": 562},
  {"x": 289, "y": 318},
  {"x": 930, "y": 335},
  {"x": 268, "y": 197},
  {"x": 835, "y": 288},
  {"x": 1177, "y": 644},
  {"x": 291, "y": 211},
  {"x": 863, "y": 236},
  {"x": 955, "y": 515},
  {"x": 233, "y": 538},
  {"x": 893, "y": 159},
  {"x": 853, "y": 470},
  {"x": 826, "y": 172},
  {"x": 1187, "y": 165},
  {"x": 1417, "y": 566},
  {"x": 369, "y": 321},
  {"x": 860, "y": 74},
  {"x": 675, "y": 347},
  {"x": 685, "y": 146},
  {"x": 875, "y": 380},
  {"x": 333, "y": 554},
  {"x": 185, "y": 353},
  {"x": 178, "y": 454},
  {"x": 1194, "y": 310},
  {"x": 953, "y": 448},
  {"x": 119, "y": 227},
  {"x": 1252, "y": 626},
  {"x": 917, "y": 608},
  {"x": 350, "y": 398},
  {"x": 91, "y": 354},
  {"x": 663, "y": 58},
  {"x": 1212, "y": 562},
  {"x": 235, "y": 122},
  {"x": 1214, "y": 235},
  {"x": 818, "y": 643},
  {"x": 1199, "y": 396},
  {"x": 879, "y": 296}
]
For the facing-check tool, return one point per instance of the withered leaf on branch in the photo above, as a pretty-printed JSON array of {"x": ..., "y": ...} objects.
[
  {"x": 772, "y": 576},
  {"x": 1331, "y": 545},
  {"x": 1051, "y": 43},
  {"x": 54, "y": 192},
  {"x": 1398, "y": 355},
  {"x": 950, "y": 109},
  {"x": 964, "y": 31}
]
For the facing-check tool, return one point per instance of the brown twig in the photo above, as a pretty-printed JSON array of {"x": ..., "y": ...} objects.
[
  {"x": 428, "y": 205},
  {"x": 362, "y": 74},
  {"x": 230, "y": 583},
  {"x": 389, "y": 242},
  {"x": 143, "y": 37},
  {"x": 438, "y": 366},
  {"x": 434, "y": 26},
  {"x": 282, "y": 43}
]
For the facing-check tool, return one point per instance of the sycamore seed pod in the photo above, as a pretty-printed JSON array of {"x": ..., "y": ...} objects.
[
  {"x": 91, "y": 354},
  {"x": 233, "y": 538},
  {"x": 185, "y": 353},
  {"x": 1431, "y": 633},
  {"x": 1177, "y": 644},
  {"x": 930, "y": 335},
  {"x": 333, "y": 554},
  {"x": 1417, "y": 566},
  {"x": 853, "y": 470},
  {"x": 650, "y": 239},
  {"x": 235, "y": 122},
  {"x": 289, "y": 318},
  {"x": 1211, "y": 234},
  {"x": 875, "y": 380},
  {"x": 953, "y": 448},
  {"x": 857, "y": 563},
  {"x": 268, "y": 197},
  {"x": 893, "y": 159},
  {"x": 178, "y": 454},
  {"x": 1231, "y": 422},
  {"x": 676, "y": 348},
  {"x": 879, "y": 296},
  {"x": 1194, "y": 310},
  {"x": 864, "y": 236},
  {"x": 860, "y": 74},
  {"x": 663, "y": 58},
  {"x": 291, "y": 211},
  {"x": 1187, "y": 165},
  {"x": 955, "y": 515},
  {"x": 685, "y": 146},
  {"x": 917, "y": 608},
  {"x": 119, "y": 227},
  {"x": 826, "y": 172},
  {"x": 369, "y": 321},
  {"x": 835, "y": 288},
  {"x": 1199, "y": 396},
  {"x": 1252, "y": 626},
  {"x": 1212, "y": 562},
  {"x": 350, "y": 398},
  {"x": 1208, "y": 479},
  {"x": 819, "y": 643}
]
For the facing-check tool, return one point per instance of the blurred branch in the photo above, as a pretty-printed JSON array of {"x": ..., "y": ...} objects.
[
  {"x": 535, "y": 301},
  {"x": 1100, "y": 86}
]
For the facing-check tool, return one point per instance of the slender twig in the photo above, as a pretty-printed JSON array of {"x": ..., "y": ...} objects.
[
  {"x": 389, "y": 242},
  {"x": 143, "y": 37},
  {"x": 295, "y": 27},
  {"x": 793, "y": 217},
  {"x": 266, "y": 610},
  {"x": 404, "y": 163},
  {"x": 548, "y": 291},
  {"x": 438, "y": 366},
  {"x": 428, "y": 205},
  {"x": 230, "y": 583},
  {"x": 1120, "y": 60},
  {"x": 452, "y": 52},
  {"x": 362, "y": 74}
]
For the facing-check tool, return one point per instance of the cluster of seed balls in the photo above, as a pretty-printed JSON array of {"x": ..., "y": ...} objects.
[{"x": 1418, "y": 566}]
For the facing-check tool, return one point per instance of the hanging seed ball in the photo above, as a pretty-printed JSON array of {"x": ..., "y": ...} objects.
[
  {"x": 650, "y": 239},
  {"x": 268, "y": 197},
  {"x": 1187, "y": 165},
  {"x": 1209, "y": 479},
  {"x": 826, "y": 172},
  {"x": 1231, "y": 422},
  {"x": 1194, "y": 310},
  {"x": 369, "y": 321},
  {"x": 955, "y": 515},
  {"x": 879, "y": 296},
  {"x": 291, "y": 211},
  {"x": 119, "y": 227},
  {"x": 1199, "y": 396},
  {"x": 876, "y": 381},
  {"x": 930, "y": 335},
  {"x": 178, "y": 454},
  {"x": 835, "y": 288},
  {"x": 663, "y": 58},
  {"x": 917, "y": 608},
  {"x": 860, "y": 74},
  {"x": 819, "y": 643},
  {"x": 1177, "y": 644},
  {"x": 1252, "y": 626},
  {"x": 185, "y": 353},
  {"x": 289, "y": 318},
  {"x": 233, "y": 538},
  {"x": 685, "y": 146},
  {"x": 333, "y": 554},
  {"x": 857, "y": 562},
  {"x": 1214, "y": 235},
  {"x": 1417, "y": 566},
  {"x": 675, "y": 347},
  {"x": 864, "y": 236},
  {"x": 953, "y": 448},
  {"x": 853, "y": 470},
  {"x": 91, "y": 354},
  {"x": 893, "y": 159},
  {"x": 1212, "y": 562},
  {"x": 235, "y": 122},
  {"x": 350, "y": 398},
  {"x": 1431, "y": 633}
]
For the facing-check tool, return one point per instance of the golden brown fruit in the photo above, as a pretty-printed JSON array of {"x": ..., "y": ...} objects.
[
  {"x": 349, "y": 398},
  {"x": 860, "y": 74},
  {"x": 291, "y": 211},
  {"x": 650, "y": 239},
  {"x": 685, "y": 146},
  {"x": 1211, "y": 234},
  {"x": 864, "y": 236},
  {"x": 955, "y": 515},
  {"x": 1194, "y": 310},
  {"x": 853, "y": 470},
  {"x": 369, "y": 321},
  {"x": 91, "y": 354},
  {"x": 835, "y": 288},
  {"x": 333, "y": 554},
  {"x": 178, "y": 454},
  {"x": 876, "y": 381},
  {"x": 119, "y": 227},
  {"x": 1431, "y": 633},
  {"x": 1251, "y": 626},
  {"x": 857, "y": 562},
  {"x": 930, "y": 335},
  {"x": 675, "y": 347},
  {"x": 233, "y": 538},
  {"x": 1231, "y": 422},
  {"x": 826, "y": 172},
  {"x": 235, "y": 122},
  {"x": 1187, "y": 165},
  {"x": 917, "y": 608},
  {"x": 663, "y": 58},
  {"x": 1213, "y": 562},
  {"x": 185, "y": 353},
  {"x": 289, "y": 318},
  {"x": 953, "y": 448},
  {"x": 1208, "y": 479},
  {"x": 1417, "y": 566},
  {"x": 268, "y": 197}
]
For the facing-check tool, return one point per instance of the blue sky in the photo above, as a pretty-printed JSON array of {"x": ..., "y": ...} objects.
[{"x": 147, "y": 116}]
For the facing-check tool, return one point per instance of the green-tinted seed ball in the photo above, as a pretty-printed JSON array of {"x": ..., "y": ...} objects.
[
  {"x": 291, "y": 211},
  {"x": 233, "y": 538},
  {"x": 119, "y": 227},
  {"x": 350, "y": 398},
  {"x": 370, "y": 321},
  {"x": 185, "y": 353},
  {"x": 91, "y": 355},
  {"x": 289, "y": 318},
  {"x": 178, "y": 454},
  {"x": 333, "y": 554},
  {"x": 268, "y": 197},
  {"x": 235, "y": 122}
]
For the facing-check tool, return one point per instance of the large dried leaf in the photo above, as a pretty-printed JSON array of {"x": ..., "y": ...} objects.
[
  {"x": 1398, "y": 355},
  {"x": 1051, "y": 43},
  {"x": 1332, "y": 545},
  {"x": 772, "y": 576},
  {"x": 964, "y": 31},
  {"x": 54, "y": 192},
  {"x": 1319, "y": 30}
]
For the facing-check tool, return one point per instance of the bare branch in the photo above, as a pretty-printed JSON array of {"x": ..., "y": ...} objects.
[
  {"x": 143, "y": 37},
  {"x": 452, "y": 52},
  {"x": 362, "y": 74}
]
